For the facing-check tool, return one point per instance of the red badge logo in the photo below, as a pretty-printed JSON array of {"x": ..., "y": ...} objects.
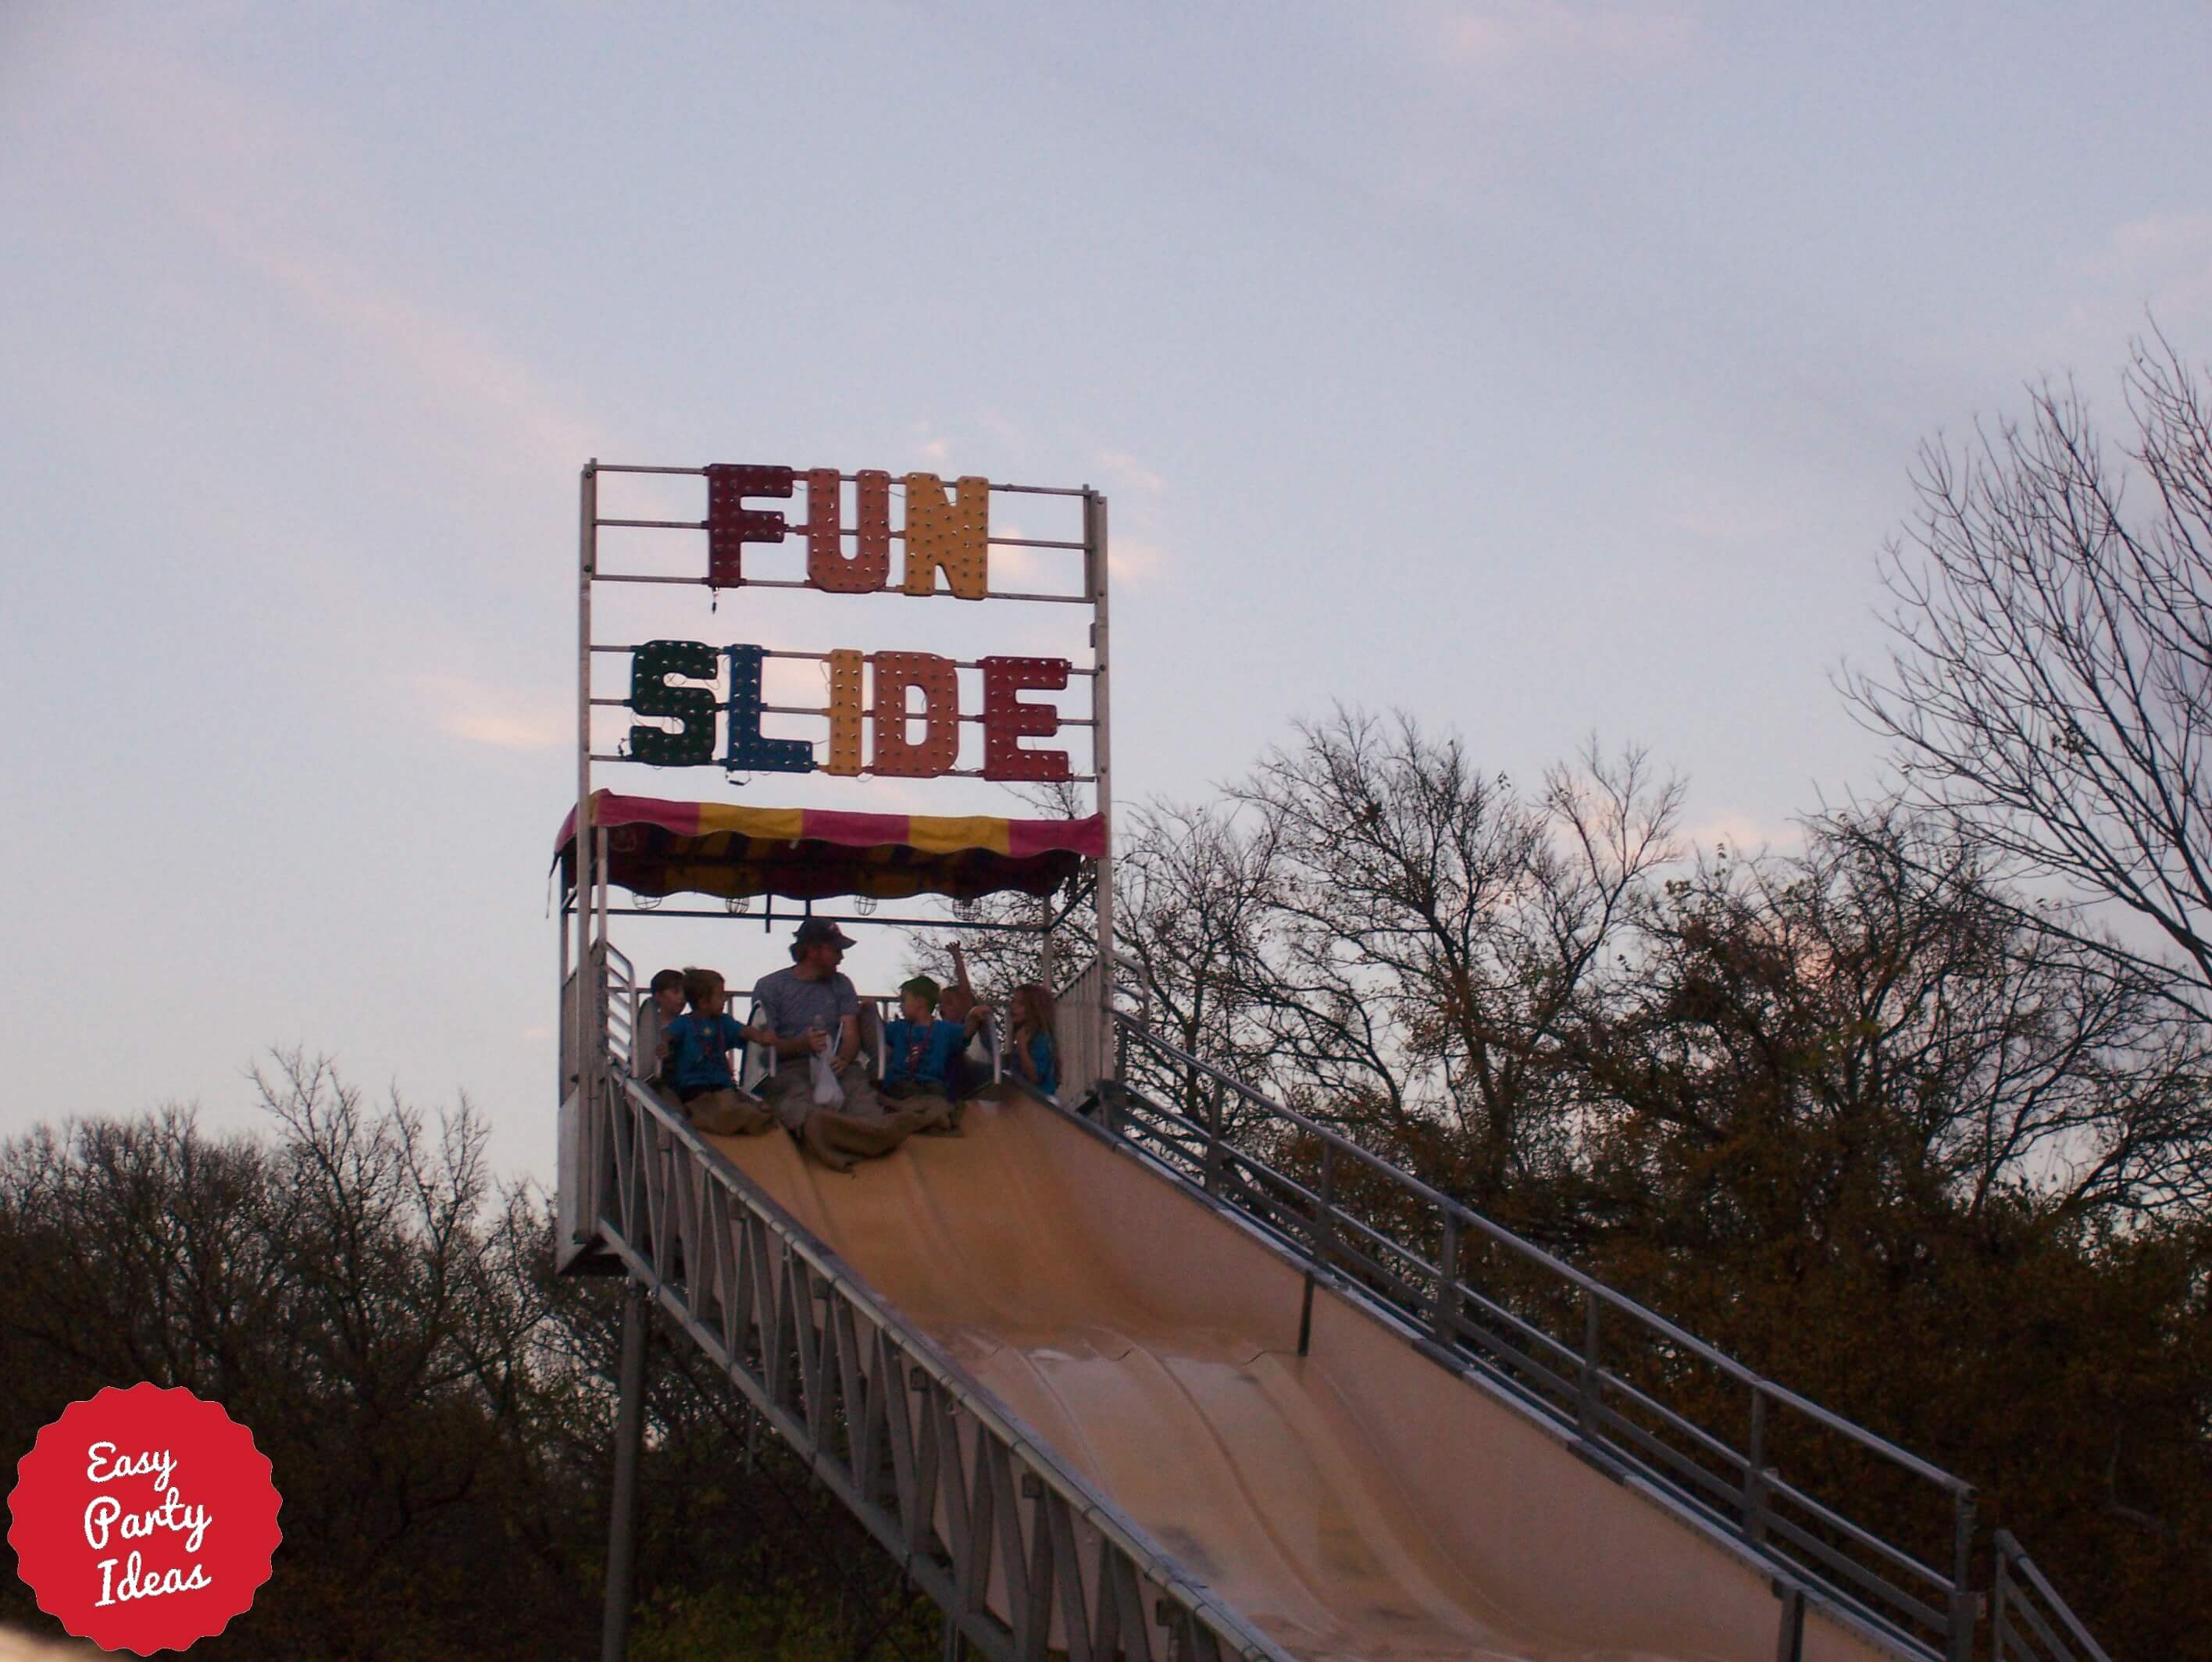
[{"x": 145, "y": 1519}]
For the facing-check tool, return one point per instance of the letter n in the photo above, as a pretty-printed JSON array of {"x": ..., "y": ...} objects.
[
  {"x": 954, "y": 534},
  {"x": 869, "y": 566}
]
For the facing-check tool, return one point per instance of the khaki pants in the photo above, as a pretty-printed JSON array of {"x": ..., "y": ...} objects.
[
  {"x": 730, "y": 1113},
  {"x": 862, "y": 1130},
  {"x": 940, "y": 1112},
  {"x": 790, "y": 1091}
]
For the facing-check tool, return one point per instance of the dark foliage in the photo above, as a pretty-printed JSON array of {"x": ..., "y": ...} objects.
[{"x": 434, "y": 1401}]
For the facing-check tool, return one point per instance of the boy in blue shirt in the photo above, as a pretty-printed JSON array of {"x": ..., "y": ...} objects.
[
  {"x": 919, "y": 1051},
  {"x": 695, "y": 1052}
]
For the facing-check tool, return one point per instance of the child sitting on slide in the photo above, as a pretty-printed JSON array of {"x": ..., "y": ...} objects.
[
  {"x": 921, "y": 1051},
  {"x": 695, "y": 1050},
  {"x": 1033, "y": 1048},
  {"x": 967, "y": 1074}
]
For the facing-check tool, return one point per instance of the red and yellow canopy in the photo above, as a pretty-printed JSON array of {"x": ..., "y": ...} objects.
[{"x": 658, "y": 847}]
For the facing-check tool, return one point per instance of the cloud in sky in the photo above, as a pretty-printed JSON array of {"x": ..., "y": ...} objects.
[
  {"x": 504, "y": 718},
  {"x": 1126, "y": 470},
  {"x": 1741, "y": 833},
  {"x": 257, "y": 184},
  {"x": 2157, "y": 269},
  {"x": 1497, "y": 34},
  {"x": 1730, "y": 515},
  {"x": 1013, "y": 564},
  {"x": 2164, "y": 262},
  {"x": 1134, "y": 559}
]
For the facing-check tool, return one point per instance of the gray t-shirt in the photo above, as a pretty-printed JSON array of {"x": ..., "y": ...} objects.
[{"x": 791, "y": 1005}]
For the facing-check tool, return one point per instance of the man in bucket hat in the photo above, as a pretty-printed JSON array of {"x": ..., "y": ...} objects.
[{"x": 811, "y": 1010}]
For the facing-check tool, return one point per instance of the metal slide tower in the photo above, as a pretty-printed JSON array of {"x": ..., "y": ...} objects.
[{"x": 1159, "y": 1367}]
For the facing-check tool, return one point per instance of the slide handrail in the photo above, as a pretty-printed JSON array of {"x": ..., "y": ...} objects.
[
  {"x": 1608, "y": 1383},
  {"x": 2028, "y": 1621}
]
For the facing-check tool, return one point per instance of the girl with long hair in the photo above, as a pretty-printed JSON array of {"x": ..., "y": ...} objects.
[{"x": 1032, "y": 1044}]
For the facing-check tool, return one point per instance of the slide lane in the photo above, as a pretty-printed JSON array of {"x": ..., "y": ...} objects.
[{"x": 1359, "y": 1503}]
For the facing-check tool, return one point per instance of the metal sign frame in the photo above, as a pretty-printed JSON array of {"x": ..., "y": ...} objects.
[{"x": 589, "y": 895}]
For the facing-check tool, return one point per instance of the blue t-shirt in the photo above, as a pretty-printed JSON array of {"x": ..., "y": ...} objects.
[
  {"x": 1044, "y": 1057},
  {"x": 922, "y": 1051},
  {"x": 697, "y": 1047}
]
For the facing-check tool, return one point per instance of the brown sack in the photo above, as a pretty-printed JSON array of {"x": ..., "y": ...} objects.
[{"x": 838, "y": 1139}]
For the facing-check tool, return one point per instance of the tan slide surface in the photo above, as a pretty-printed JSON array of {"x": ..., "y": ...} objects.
[{"x": 1357, "y": 1502}]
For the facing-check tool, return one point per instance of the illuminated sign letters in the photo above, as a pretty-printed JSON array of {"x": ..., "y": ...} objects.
[
  {"x": 910, "y": 688},
  {"x": 894, "y": 714},
  {"x": 730, "y": 525},
  {"x": 948, "y": 533},
  {"x": 650, "y": 694},
  {"x": 1007, "y": 720}
]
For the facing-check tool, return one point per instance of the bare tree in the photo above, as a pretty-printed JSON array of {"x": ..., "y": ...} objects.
[
  {"x": 355, "y": 1290},
  {"x": 2051, "y": 688},
  {"x": 1431, "y": 935},
  {"x": 1872, "y": 1016},
  {"x": 1197, "y": 889},
  {"x": 437, "y": 1403}
]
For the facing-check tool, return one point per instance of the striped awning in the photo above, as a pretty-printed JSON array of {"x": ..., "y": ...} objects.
[{"x": 660, "y": 848}]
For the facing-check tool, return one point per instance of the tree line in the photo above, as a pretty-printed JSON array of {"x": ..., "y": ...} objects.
[{"x": 438, "y": 1406}]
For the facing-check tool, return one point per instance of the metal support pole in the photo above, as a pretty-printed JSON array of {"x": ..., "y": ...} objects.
[
  {"x": 1446, "y": 1319},
  {"x": 630, "y": 1437},
  {"x": 1790, "y": 1641},
  {"x": 1325, "y": 1208},
  {"x": 1101, "y": 762},
  {"x": 1212, "y": 1168},
  {"x": 1754, "y": 1471},
  {"x": 564, "y": 1049},
  {"x": 588, "y": 537},
  {"x": 2001, "y": 1587},
  {"x": 1588, "y": 1405},
  {"x": 599, "y": 864},
  {"x": 1965, "y": 1604},
  {"x": 1046, "y": 967}
]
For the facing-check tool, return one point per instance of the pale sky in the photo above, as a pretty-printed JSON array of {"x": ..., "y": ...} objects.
[{"x": 1540, "y": 367}]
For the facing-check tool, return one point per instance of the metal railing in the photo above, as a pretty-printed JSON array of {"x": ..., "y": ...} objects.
[
  {"x": 618, "y": 988},
  {"x": 1083, "y": 1054},
  {"x": 976, "y": 1510},
  {"x": 1636, "y": 1392},
  {"x": 2028, "y": 1621},
  {"x": 1086, "y": 1052}
]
